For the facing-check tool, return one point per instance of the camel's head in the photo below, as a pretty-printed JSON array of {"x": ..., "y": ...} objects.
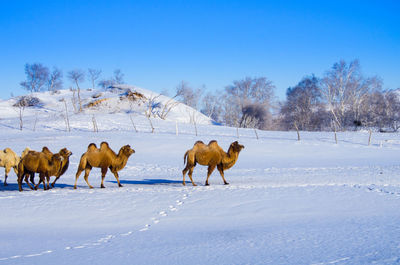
[
  {"x": 65, "y": 153},
  {"x": 127, "y": 150},
  {"x": 236, "y": 147}
]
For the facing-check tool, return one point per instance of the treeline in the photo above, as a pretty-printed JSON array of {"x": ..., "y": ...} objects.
[{"x": 342, "y": 99}]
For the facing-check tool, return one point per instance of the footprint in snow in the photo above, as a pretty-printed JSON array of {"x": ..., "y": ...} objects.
[
  {"x": 145, "y": 228},
  {"x": 163, "y": 213}
]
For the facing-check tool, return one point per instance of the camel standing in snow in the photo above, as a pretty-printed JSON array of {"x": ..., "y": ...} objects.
[
  {"x": 210, "y": 155},
  {"x": 104, "y": 158}
]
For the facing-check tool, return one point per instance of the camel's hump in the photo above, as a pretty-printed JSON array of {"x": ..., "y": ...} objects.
[
  {"x": 7, "y": 150},
  {"x": 92, "y": 146},
  {"x": 212, "y": 142}
]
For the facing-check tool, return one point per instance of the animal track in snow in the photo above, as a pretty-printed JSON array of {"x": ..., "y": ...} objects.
[{"x": 105, "y": 239}]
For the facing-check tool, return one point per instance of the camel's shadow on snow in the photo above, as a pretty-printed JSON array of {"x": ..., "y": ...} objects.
[
  {"x": 14, "y": 186},
  {"x": 149, "y": 182}
]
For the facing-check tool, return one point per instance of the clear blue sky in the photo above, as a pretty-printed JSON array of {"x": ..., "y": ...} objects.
[{"x": 157, "y": 44}]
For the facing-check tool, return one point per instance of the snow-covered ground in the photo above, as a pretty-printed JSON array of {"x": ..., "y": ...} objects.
[{"x": 288, "y": 202}]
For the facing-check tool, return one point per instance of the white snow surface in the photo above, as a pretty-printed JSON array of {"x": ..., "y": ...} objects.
[{"x": 288, "y": 202}]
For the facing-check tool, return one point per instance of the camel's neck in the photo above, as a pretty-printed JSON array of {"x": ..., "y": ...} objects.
[
  {"x": 56, "y": 168},
  {"x": 229, "y": 158},
  {"x": 120, "y": 161}
]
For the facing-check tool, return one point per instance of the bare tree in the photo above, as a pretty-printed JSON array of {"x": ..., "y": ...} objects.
[
  {"x": 93, "y": 75},
  {"x": 254, "y": 116},
  {"x": 344, "y": 89},
  {"x": 302, "y": 104},
  {"x": 68, "y": 127},
  {"x": 105, "y": 84},
  {"x": 118, "y": 77},
  {"x": 37, "y": 77},
  {"x": 211, "y": 106},
  {"x": 187, "y": 95},
  {"x": 77, "y": 76},
  {"x": 243, "y": 93},
  {"x": 20, "y": 105},
  {"x": 381, "y": 110},
  {"x": 55, "y": 80},
  {"x": 152, "y": 105},
  {"x": 166, "y": 108}
]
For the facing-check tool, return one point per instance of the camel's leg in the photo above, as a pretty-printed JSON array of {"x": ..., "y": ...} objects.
[
  {"x": 32, "y": 178},
  {"x": 7, "y": 170},
  {"x": 43, "y": 179},
  {"x": 29, "y": 184},
  {"x": 190, "y": 176},
  {"x": 54, "y": 182},
  {"x": 103, "y": 175},
  {"x": 184, "y": 174},
  {"x": 20, "y": 178},
  {"x": 221, "y": 172},
  {"x": 78, "y": 173},
  {"x": 117, "y": 177},
  {"x": 209, "y": 172},
  {"x": 48, "y": 182},
  {"x": 87, "y": 171}
]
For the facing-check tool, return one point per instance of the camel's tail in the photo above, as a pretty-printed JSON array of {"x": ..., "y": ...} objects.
[{"x": 185, "y": 156}]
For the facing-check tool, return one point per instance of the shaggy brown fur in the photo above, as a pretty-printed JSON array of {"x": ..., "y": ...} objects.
[
  {"x": 37, "y": 162},
  {"x": 65, "y": 153},
  {"x": 210, "y": 155},
  {"x": 104, "y": 158}
]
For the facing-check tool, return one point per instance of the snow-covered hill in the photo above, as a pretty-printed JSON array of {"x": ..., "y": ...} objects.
[{"x": 118, "y": 105}]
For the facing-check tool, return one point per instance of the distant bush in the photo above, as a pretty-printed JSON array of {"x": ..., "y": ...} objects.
[{"x": 28, "y": 101}]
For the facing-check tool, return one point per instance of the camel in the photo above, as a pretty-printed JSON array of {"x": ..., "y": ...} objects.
[
  {"x": 210, "y": 155},
  {"x": 65, "y": 153},
  {"x": 9, "y": 159},
  {"x": 104, "y": 158},
  {"x": 37, "y": 162}
]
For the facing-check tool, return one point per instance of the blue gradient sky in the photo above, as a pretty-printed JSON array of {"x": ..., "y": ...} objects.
[{"x": 157, "y": 44}]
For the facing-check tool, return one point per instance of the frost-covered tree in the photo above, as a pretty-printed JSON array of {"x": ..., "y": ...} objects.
[
  {"x": 381, "y": 110},
  {"x": 77, "y": 76},
  {"x": 344, "y": 89},
  {"x": 37, "y": 77},
  {"x": 118, "y": 77},
  {"x": 211, "y": 105},
  {"x": 55, "y": 80},
  {"x": 244, "y": 93},
  {"x": 93, "y": 75},
  {"x": 187, "y": 95},
  {"x": 302, "y": 107}
]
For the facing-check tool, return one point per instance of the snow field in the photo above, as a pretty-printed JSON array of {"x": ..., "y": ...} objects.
[{"x": 288, "y": 202}]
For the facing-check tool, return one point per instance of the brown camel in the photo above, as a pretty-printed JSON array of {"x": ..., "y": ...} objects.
[
  {"x": 104, "y": 158},
  {"x": 65, "y": 153},
  {"x": 37, "y": 162},
  {"x": 210, "y": 155}
]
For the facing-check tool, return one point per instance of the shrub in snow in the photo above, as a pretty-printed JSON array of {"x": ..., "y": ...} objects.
[{"x": 28, "y": 101}]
